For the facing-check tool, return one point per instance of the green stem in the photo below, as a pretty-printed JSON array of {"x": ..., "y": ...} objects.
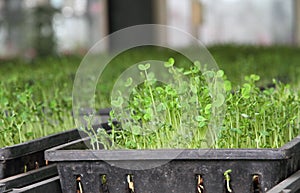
[{"x": 151, "y": 94}]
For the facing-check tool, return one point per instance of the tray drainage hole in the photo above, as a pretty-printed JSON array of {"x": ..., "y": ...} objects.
[
  {"x": 36, "y": 165},
  {"x": 227, "y": 180},
  {"x": 79, "y": 187},
  {"x": 256, "y": 183},
  {"x": 103, "y": 184},
  {"x": 25, "y": 168},
  {"x": 129, "y": 179},
  {"x": 200, "y": 183}
]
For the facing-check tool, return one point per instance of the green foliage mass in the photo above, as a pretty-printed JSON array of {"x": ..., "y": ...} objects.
[
  {"x": 36, "y": 96},
  {"x": 181, "y": 115}
]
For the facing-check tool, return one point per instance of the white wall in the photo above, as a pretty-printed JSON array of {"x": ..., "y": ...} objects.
[
  {"x": 235, "y": 21},
  {"x": 247, "y": 21},
  {"x": 178, "y": 16}
]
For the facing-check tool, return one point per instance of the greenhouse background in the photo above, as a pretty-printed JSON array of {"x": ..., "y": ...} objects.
[
  {"x": 31, "y": 27},
  {"x": 223, "y": 115}
]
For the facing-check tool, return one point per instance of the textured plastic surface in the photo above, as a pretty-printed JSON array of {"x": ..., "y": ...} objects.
[
  {"x": 50, "y": 185},
  {"x": 30, "y": 177},
  {"x": 2, "y": 188},
  {"x": 289, "y": 185},
  {"x": 14, "y": 159},
  {"x": 179, "y": 175}
]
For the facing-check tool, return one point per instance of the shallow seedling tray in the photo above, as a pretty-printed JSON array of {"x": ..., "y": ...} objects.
[
  {"x": 49, "y": 185},
  {"x": 289, "y": 185},
  {"x": 253, "y": 170},
  {"x": 29, "y": 178},
  {"x": 27, "y": 156}
]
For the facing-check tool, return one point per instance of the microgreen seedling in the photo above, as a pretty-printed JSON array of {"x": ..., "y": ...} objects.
[{"x": 227, "y": 179}]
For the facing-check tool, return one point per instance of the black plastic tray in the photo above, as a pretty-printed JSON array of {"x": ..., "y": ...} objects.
[
  {"x": 289, "y": 185},
  {"x": 14, "y": 159},
  {"x": 49, "y": 185},
  {"x": 27, "y": 156},
  {"x": 180, "y": 175},
  {"x": 30, "y": 177}
]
